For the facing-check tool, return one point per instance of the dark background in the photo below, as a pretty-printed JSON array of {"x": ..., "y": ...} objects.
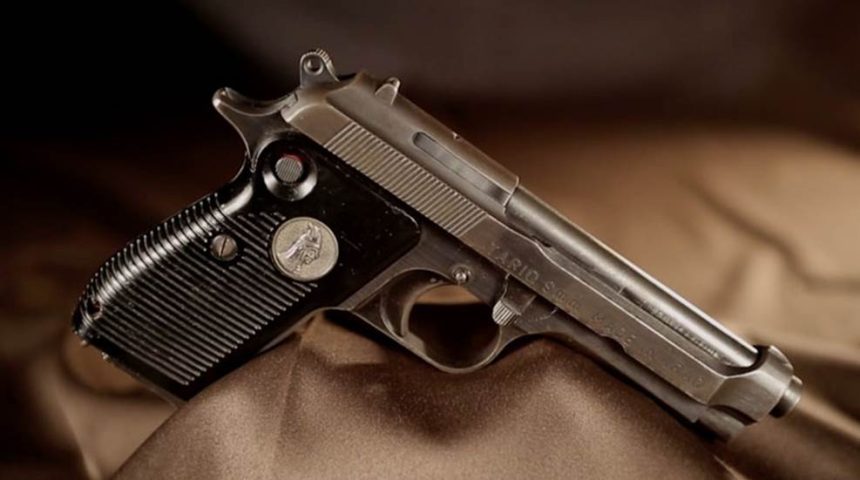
[{"x": 90, "y": 71}]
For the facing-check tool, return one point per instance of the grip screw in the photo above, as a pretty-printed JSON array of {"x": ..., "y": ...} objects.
[{"x": 224, "y": 247}]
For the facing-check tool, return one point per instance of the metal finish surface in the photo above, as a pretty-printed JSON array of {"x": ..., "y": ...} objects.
[
  {"x": 443, "y": 213},
  {"x": 469, "y": 196},
  {"x": 408, "y": 180}
]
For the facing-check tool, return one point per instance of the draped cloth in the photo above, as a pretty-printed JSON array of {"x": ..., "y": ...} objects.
[{"x": 757, "y": 227}]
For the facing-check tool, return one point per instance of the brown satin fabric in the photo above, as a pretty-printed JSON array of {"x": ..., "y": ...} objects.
[
  {"x": 333, "y": 404},
  {"x": 757, "y": 227}
]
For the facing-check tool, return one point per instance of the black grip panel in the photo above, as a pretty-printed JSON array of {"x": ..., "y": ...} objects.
[{"x": 179, "y": 316}]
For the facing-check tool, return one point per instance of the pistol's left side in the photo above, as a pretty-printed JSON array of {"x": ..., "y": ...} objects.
[
  {"x": 296, "y": 231},
  {"x": 352, "y": 198}
]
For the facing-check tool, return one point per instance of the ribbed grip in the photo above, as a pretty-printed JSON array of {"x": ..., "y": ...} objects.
[
  {"x": 175, "y": 310},
  {"x": 159, "y": 288}
]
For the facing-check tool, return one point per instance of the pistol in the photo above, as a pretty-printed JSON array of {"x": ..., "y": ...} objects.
[{"x": 351, "y": 198}]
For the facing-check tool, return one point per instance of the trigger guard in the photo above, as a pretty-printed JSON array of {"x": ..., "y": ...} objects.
[
  {"x": 401, "y": 295},
  {"x": 394, "y": 308}
]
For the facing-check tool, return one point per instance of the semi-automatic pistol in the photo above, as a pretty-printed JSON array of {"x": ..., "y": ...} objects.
[{"x": 351, "y": 198}]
